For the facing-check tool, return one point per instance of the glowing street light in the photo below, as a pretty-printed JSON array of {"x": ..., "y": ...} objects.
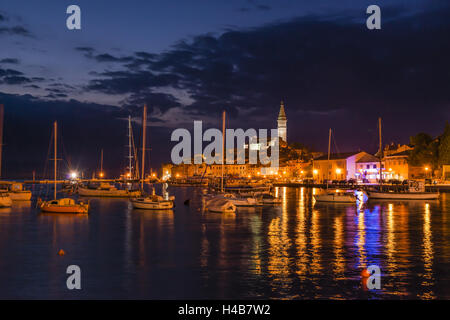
[
  {"x": 73, "y": 175},
  {"x": 338, "y": 171},
  {"x": 315, "y": 171}
]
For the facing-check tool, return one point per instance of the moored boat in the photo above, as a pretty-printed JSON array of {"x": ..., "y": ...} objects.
[
  {"x": 220, "y": 205},
  {"x": 403, "y": 195},
  {"x": 18, "y": 193},
  {"x": 415, "y": 191},
  {"x": 154, "y": 202},
  {"x": 5, "y": 200},
  {"x": 268, "y": 199},
  {"x": 107, "y": 190},
  {"x": 337, "y": 197},
  {"x": 64, "y": 205}
]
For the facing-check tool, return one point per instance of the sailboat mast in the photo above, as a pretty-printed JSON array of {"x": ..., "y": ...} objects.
[
  {"x": 223, "y": 148},
  {"x": 101, "y": 163},
  {"x": 55, "y": 127},
  {"x": 144, "y": 131},
  {"x": 2, "y": 112},
  {"x": 328, "y": 162},
  {"x": 130, "y": 161},
  {"x": 380, "y": 149}
]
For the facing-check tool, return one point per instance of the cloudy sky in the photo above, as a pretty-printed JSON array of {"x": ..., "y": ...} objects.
[{"x": 189, "y": 60}]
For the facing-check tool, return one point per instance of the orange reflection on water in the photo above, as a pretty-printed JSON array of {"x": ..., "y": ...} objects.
[
  {"x": 361, "y": 240},
  {"x": 316, "y": 267},
  {"x": 339, "y": 262},
  {"x": 279, "y": 243},
  {"x": 300, "y": 240},
  {"x": 390, "y": 243},
  {"x": 428, "y": 254}
]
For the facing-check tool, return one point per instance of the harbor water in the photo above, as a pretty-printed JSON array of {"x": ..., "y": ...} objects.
[{"x": 297, "y": 250}]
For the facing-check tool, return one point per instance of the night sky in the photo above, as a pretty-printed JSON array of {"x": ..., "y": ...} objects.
[{"x": 189, "y": 60}]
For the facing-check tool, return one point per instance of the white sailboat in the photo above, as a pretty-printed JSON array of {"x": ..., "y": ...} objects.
[
  {"x": 217, "y": 202},
  {"x": 416, "y": 189},
  {"x": 64, "y": 205},
  {"x": 330, "y": 196},
  {"x": 153, "y": 202}
]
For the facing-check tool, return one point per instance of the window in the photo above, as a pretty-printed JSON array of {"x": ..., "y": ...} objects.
[
  {"x": 374, "y": 166},
  {"x": 368, "y": 166}
]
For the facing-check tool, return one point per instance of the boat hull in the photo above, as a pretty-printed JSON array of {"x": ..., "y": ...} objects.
[
  {"x": 152, "y": 205},
  {"x": 20, "y": 196},
  {"x": 85, "y": 192},
  {"x": 403, "y": 195},
  {"x": 5, "y": 202},
  {"x": 335, "y": 198}
]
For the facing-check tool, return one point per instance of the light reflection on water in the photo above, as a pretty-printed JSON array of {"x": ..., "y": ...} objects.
[{"x": 299, "y": 249}]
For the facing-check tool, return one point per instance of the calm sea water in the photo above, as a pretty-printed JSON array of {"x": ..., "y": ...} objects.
[{"x": 298, "y": 250}]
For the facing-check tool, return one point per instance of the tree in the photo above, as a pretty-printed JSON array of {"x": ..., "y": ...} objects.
[
  {"x": 425, "y": 150},
  {"x": 444, "y": 146}
]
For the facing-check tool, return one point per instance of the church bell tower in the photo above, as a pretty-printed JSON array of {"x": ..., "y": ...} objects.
[{"x": 282, "y": 123}]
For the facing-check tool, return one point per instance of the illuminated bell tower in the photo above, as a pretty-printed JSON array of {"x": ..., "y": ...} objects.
[{"x": 282, "y": 121}]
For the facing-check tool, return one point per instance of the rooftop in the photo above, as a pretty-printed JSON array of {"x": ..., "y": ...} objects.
[
  {"x": 368, "y": 158},
  {"x": 336, "y": 156}
]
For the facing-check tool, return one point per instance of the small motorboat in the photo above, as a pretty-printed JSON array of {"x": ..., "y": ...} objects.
[
  {"x": 153, "y": 202},
  {"x": 5, "y": 200},
  {"x": 239, "y": 201},
  {"x": 107, "y": 190},
  {"x": 269, "y": 199},
  {"x": 336, "y": 197},
  {"x": 64, "y": 205},
  {"x": 16, "y": 191},
  {"x": 220, "y": 205}
]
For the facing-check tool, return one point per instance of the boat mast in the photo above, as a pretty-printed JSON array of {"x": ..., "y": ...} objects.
[
  {"x": 380, "y": 152},
  {"x": 144, "y": 131},
  {"x": 130, "y": 157},
  {"x": 223, "y": 148},
  {"x": 2, "y": 110},
  {"x": 101, "y": 164},
  {"x": 55, "y": 127},
  {"x": 328, "y": 162}
]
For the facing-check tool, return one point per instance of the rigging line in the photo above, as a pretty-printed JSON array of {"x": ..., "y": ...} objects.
[
  {"x": 48, "y": 156},
  {"x": 335, "y": 144},
  {"x": 65, "y": 158}
]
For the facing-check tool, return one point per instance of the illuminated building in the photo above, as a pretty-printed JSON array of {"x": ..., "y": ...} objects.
[{"x": 282, "y": 123}]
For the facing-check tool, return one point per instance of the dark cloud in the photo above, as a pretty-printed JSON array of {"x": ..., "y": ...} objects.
[
  {"x": 10, "y": 61},
  {"x": 254, "y": 6},
  {"x": 16, "y": 80},
  {"x": 330, "y": 70},
  {"x": 17, "y": 30}
]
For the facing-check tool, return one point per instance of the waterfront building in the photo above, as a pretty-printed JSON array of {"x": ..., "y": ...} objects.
[
  {"x": 368, "y": 168},
  {"x": 341, "y": 166}
]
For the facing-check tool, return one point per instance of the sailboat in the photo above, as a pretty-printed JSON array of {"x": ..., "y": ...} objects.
[
  {"x": 415, "y": 191},
  {"x": 217, "y": 202},
  {"x": 104, "y": 189},
  {"x": 64, "y": 205},
  {"x": 336, "y": 196},
  {"x": 153, "y": 202}
]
